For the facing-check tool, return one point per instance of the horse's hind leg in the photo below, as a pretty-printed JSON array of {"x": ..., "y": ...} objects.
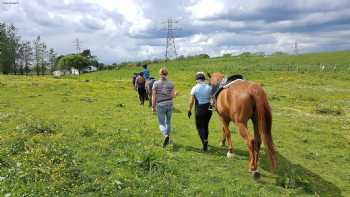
[
  {"x": 257, "y": 144},
  {"x": 228, "y": 137},
  {"x": 243, "y": 131},
  {"x": 223, "y": 139}
]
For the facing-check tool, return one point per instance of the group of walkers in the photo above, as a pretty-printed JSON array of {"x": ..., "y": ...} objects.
[
  {"x": 139, "y": 82},
  {"x": 163, "y": 92}
]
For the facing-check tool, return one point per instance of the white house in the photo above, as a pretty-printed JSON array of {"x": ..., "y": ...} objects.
[
  {"x": 74, "y": 71},
  {"x": 57, "y": 73},
  {"x": 89, "y": 69}
]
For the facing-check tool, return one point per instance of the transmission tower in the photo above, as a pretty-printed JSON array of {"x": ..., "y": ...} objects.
[
  {"x": 170, "y": 40},
  {"x": 77, "y": 45},
  {"x": 296, "y": 50}
]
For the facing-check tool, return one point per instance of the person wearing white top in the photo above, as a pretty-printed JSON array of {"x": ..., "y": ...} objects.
[{"x": 200, "y": 96}]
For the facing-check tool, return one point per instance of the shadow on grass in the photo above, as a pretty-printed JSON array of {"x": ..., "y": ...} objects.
[
  {"x": 295, "y": 176},
  {"x": 217, "y": 151},
  {"x": 288, "y": 175},
  {"x": 212, "y": 150}
]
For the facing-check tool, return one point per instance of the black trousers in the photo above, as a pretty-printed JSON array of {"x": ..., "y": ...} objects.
[
  {"x": 203, "y": 116},
  {"x": 142, "y": 94}
]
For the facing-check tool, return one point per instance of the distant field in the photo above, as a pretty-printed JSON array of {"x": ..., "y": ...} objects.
[{"x": 89, "y": 136}]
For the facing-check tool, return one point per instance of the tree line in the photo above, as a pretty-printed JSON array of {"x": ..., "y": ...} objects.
[
  {"x": 24, "y": 57},
  {"x": 34, "y": 57}
]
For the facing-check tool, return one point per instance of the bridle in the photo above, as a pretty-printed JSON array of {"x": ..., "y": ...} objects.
[{"x": 214, "y": 93}]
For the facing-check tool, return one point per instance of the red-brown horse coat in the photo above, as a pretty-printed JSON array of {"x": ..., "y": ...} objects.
[{"x": 241, "y": 101}]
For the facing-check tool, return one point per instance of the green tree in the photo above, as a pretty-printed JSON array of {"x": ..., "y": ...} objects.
[
  {"x": 52, "y": 59},
  {"x": 73, "y": 60},
  {"x": 279, "y": 53},
  {"x": 28, "y": 56},
  {"x": 39, "y": 50},
  {"x": 8, "y": 48},
  {"x": 44, "y": 58},
  {"x": 20, "y": 58}
]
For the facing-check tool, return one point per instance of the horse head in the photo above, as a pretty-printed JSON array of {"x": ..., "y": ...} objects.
[
  {"x": 215, "y": 78},
  {"x": 214, "y": 81}
]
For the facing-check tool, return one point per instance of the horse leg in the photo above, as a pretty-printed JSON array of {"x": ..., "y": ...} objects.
[
  {"x": 223, "y": 139},
  {"x": 243, "y": 131},
  {"x": 257, "y": 144},
  {"x": 228, "y": 137}
]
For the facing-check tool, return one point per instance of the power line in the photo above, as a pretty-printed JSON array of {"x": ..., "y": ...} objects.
[
  {"x": 170, "y": 40},
  {"x": 77, "y": 45},
  {"x": 9, "y": 3}
]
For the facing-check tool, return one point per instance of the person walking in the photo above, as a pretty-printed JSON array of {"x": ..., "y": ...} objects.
[
  {"x": 140, "y": 87},
  {"x": 200, "y": 96},
  {"x": 145, "y": 71},
  {"x": 146, "y": 75},
  {"x": 162, "y": 101},
  {"x": 134, "y": 79}
]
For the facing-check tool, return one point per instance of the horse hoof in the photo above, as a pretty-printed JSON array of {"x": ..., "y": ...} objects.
[
  {"x": 230, "y": 155},
  {"x": 255, "y": 174}
]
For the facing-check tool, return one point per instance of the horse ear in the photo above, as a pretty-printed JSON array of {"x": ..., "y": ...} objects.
[{"x": 209, "y": 75}]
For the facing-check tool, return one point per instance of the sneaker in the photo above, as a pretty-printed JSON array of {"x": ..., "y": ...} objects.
[
  {"x": 205, "y": 146},
  {"x": 166, "y": 141}
]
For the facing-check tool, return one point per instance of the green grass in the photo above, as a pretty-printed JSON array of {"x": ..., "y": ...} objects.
[{"x": 88, "y": 136}]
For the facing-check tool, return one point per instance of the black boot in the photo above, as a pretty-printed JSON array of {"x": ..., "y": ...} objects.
[
  {"x": 205, "y": 146},
  {"x": 166, "y": 141}
]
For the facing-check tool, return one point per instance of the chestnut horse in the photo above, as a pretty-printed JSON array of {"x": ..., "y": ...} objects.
[{"x": 239, "y": 102}]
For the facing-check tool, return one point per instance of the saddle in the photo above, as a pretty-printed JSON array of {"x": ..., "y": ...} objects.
[{"x": 226, "y": 82}]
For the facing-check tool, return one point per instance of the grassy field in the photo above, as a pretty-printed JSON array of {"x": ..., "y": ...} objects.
[{"x": 89, "y": 136}]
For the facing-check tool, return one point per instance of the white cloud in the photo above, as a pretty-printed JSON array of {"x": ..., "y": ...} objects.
[
  {"x": 206, "y": 8},
  {"x": 118, "y": 30},
  {"x": 131, "y": 10}
]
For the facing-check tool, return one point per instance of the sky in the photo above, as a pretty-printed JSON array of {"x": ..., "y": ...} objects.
[{"x": 132, "y": 30}]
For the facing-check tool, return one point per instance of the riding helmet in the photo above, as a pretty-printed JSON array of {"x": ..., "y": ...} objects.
[{"x": 200, "y": 76}]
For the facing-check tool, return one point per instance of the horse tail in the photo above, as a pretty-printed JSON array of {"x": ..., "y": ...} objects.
[{"x": 264, "y": 118}]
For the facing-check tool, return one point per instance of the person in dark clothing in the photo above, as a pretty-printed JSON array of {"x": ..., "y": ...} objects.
[
  {"x": 140, "y": 87},
  {"x": 134, "y": 79},
  {"x": 200, "y": 95}
]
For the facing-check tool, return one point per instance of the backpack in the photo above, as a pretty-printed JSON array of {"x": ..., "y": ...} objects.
[{"x": 141, "y": 80}]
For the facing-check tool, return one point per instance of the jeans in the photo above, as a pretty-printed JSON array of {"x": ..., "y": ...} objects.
[{"x": 164, "y": 118}]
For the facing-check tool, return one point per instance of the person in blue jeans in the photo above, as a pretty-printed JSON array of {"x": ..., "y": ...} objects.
[
  {"x": 200, "y": 95},
  {"x": 162, "y": 100}
]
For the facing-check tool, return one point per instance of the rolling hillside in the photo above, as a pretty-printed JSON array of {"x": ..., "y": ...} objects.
[{"x": 89, "y": 136}]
